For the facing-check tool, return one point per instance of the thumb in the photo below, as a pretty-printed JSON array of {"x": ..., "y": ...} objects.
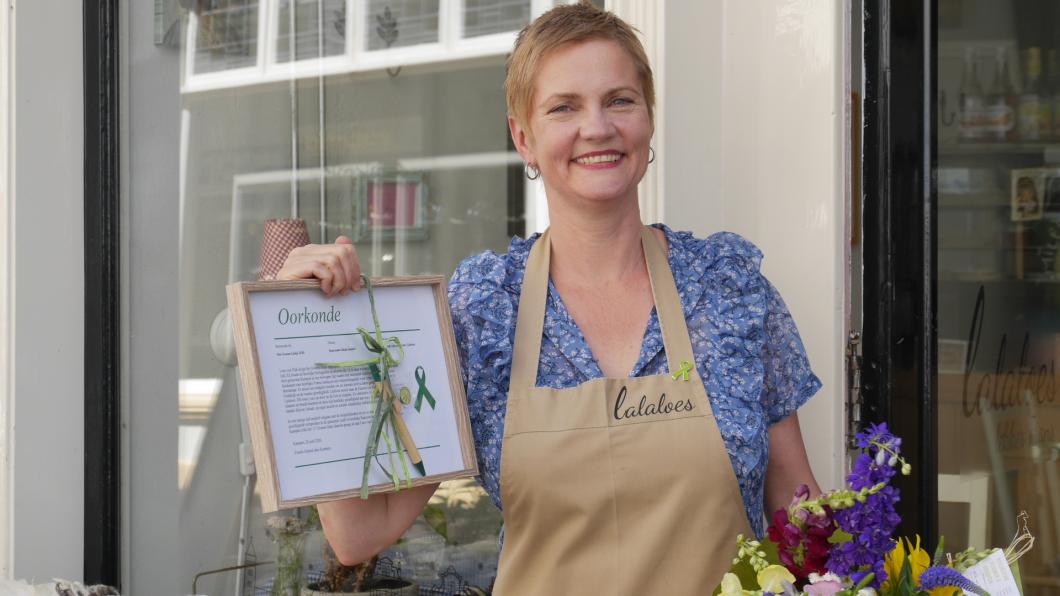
[{"x": 343, "y": 240}]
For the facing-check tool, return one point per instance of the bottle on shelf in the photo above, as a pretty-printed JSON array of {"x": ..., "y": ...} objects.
[
  {"x": 999, "y": 123},
  {"x": 1033, "y": 119},
  {"x": 1054, "y": 90},
  {"x": 972, "y": 101}
]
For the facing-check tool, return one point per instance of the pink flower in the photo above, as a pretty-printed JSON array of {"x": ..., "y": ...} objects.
[{"x": 824, "y": 585}]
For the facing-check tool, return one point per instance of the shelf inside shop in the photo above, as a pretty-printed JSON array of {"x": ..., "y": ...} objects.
[
  {"x": 1030, "y": 148},
  {"x": 1034, "y": 278},
  {"x": 989, "y": 245},
  {"x": 974, "y": 200}
]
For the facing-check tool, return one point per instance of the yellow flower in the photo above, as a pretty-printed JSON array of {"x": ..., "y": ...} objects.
[
  {"x": 772, "y": 578},
  {"x": 919, "y": 560}
]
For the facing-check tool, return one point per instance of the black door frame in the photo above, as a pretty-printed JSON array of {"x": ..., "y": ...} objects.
[
  {"x": 102, "y": 492},
  {"x": 899, "y": 376}
]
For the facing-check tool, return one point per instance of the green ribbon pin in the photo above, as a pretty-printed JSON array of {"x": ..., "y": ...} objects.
[
  {"x": 686, "y": 367},
  {"x": 423, "y": 392}
]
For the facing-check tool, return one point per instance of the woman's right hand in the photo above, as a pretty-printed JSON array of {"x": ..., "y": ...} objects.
[{"x": 335, "y": 265}]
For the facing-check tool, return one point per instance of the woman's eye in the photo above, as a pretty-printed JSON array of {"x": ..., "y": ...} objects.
[
  {"x": 621, "y": 101},
  {"x": 559, "y": 108}
]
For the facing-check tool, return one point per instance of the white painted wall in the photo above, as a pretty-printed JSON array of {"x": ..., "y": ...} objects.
[
  {"x": 5, "y": 325},
  {"x": 755, "y": 102},
  {"x": 46, "y": 283}
]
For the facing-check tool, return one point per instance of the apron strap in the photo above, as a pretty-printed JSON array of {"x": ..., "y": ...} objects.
[
  {"x": 667, "y": 303},
  {"x": 530, "y": 320}
]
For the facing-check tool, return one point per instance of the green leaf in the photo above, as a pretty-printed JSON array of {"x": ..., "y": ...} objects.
[
  {"x": 839, "y": 537},
  {"x": 864, "y": 582},
  {"x": 435, "y": 518},
  {"x": 747, "y": 574},
  {"x": 940, "y": 551},
  {"x": 905, "y": 584},
  {"x": 1015, "y": 567},
  {"x": 771, "y": 550}
]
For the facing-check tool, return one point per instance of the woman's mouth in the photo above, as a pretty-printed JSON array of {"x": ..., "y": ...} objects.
[{"x": 603, "y": 159}]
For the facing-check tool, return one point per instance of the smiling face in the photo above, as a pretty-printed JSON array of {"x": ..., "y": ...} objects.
[{"x": 588, "y": 127}]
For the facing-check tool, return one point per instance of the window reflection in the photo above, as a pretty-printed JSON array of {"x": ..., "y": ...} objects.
[
  {"x": 414, "y": 165},
  {"x": 999, "y": 326}
]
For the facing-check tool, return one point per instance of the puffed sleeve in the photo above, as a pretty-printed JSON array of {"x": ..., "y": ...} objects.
[
  {"x": 483, "y": 314},
  {"x": 788, "y": 379}
]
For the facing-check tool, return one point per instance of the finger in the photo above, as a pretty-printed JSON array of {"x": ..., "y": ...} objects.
[
  {"x": 297, "y": 268},
  {"x": 338, "y": 272},
  {"x": 343, "y": 240},
  {"x": 356, "y": 262},
  {"x": 323, "y": 273},
  {"x": 349, "y": 265}
]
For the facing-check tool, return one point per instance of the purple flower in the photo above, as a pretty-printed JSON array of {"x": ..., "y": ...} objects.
[
  {"x": 940, "y": 576},
  {"x": 872, "y": 522}
]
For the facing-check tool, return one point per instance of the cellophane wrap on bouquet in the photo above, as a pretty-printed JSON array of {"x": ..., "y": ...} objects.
[{"x": 843, "y": 542}]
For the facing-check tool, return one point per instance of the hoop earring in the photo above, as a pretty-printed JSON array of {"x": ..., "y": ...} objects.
[
  {"x": 651, "y": 154},
  {"x": 532, "y": 172}
]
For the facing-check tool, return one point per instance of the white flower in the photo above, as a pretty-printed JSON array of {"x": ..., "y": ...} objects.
[
  {"x": 828, "y": 577},
  {"x": 867, "y": 592},
  {"x": 730, "y": 585}
]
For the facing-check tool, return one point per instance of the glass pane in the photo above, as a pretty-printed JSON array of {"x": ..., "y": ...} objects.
[
  {"x": 417, "y": 168},
  {"x": 399, "y": 23},
  {"x": 482, "y": 17},
  {"x": 318, "y": 27},
  {"x": 227, "y": 35},
  {"x": 999, "y": 278}
]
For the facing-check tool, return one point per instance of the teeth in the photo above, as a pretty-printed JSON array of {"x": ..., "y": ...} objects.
[{"x": 598, "y": 158}]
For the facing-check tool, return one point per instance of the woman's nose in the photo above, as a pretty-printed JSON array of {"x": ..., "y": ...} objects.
[{"x": 596, "y": 124}]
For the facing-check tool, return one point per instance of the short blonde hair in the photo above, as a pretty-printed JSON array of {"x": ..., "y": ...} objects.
[{"x": 569, "y": 24}]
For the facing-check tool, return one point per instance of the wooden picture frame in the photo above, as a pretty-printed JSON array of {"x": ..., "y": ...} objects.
[{"x": 273, "y": 408}]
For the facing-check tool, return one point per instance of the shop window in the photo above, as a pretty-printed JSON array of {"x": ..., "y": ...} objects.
[{"x": 998, "y": 281}]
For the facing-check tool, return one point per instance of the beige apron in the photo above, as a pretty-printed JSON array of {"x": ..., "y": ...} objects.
[{"x": 616, "y": 486}]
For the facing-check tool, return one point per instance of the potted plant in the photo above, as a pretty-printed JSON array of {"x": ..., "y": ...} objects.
[
  {"x": 354, "y": 580},
  {"x": 289, "y": 535}
]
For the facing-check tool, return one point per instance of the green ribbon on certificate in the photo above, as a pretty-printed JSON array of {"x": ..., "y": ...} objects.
[
  {"x": 423, "y": 393},
  {"x": 686, "y": 367},
  {"x": 383, "y": 424}
]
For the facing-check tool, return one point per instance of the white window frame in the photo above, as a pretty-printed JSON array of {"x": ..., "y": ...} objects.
[
  {"x": 451, "y": 46},
  {"x": 224, "y": 78},
  {"x": 308, "y": 66}
]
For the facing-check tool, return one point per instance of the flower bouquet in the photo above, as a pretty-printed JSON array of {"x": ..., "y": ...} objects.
[{"x": 842, "y": 542}]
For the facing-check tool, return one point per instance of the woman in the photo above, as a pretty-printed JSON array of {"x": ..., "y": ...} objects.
[{"x": 614, "y": 481}]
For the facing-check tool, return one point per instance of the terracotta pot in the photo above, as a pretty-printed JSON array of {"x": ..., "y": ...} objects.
[{"x": 377, "y": 587}]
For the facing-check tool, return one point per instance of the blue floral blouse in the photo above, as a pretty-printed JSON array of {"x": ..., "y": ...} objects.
[{"x": 746, "y": 347}]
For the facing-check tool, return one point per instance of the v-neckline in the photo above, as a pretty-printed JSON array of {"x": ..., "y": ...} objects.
[{"x": 650, "y": 342}]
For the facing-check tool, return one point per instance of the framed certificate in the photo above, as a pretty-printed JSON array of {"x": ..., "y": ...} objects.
[{"x": 310, "y": 419}]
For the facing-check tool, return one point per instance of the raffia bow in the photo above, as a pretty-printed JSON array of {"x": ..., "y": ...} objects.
[{"x": 383, "y": 425}]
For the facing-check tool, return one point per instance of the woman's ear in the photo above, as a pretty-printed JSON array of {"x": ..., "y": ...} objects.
[{"x": 522, "y": 140}]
